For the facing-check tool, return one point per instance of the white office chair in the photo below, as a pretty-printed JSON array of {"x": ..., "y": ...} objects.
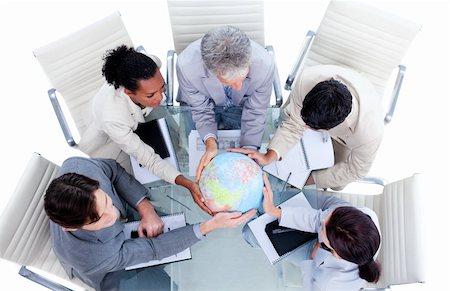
[
  {"x": 24, "y": 227},
  {"x": 367, "y": 39},
  {"x": 399, "y": 211},
  {"x": 190, "y": 20},
  {"x": 73, "y": 65}
]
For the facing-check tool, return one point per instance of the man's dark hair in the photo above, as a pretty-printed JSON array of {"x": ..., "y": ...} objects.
[
  {"x": 326, "y": 105},
  {"x": 355, "y": 238},
  {"x": 70, "y": 201},
  {"x": 125, "y": 67}
]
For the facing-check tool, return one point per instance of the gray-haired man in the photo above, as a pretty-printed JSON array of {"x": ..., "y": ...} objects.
[{"x": 226, "y": 79}]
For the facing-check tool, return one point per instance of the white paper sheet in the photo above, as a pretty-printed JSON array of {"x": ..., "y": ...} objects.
[{"x": 227, "y": 139}]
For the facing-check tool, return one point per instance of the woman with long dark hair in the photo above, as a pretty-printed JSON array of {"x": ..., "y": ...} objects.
[{"x": 348, "y": 241}]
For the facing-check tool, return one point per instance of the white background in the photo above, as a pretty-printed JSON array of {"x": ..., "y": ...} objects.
[{"x": 416, "y": 141}]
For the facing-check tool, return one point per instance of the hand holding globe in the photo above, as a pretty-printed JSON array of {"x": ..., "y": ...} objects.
[
  {"x": 232, "y": 182},
  {"x": 225, "y": 220}
]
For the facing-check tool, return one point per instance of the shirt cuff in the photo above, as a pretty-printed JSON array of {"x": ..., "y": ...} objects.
[
  {"x": 277, "y": 152},
  {"x": 198, "y": 234},
  {"x": 208, "y": 136},
  {"x": 249, "y": 147},
  {"x": 139, "y": 201}
]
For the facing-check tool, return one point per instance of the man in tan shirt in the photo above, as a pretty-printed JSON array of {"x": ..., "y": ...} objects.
[{"x": 342, "y": 102}]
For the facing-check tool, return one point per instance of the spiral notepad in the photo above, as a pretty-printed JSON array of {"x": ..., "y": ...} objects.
[
  {"x": 312, "y": 152},
  {"x": 305, "y": 157}
]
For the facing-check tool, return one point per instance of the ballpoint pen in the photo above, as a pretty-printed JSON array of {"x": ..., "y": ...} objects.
[
  {"x": 285, "y": 183},
  {"x": 177, "y": 201}
]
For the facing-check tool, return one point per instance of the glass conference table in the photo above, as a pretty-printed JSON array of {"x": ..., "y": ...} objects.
[{"x": 222, "y": 260}]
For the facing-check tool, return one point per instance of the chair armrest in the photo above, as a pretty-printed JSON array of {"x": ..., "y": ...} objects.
[
  {"x": 373, "y": 180},
  {"x": 395, "y": 93},
  {"x": 61, "y": 118},
  {"x": 389, "y": 287},
  {"x": 170, "y": 77},
  {"x": 276, "y": 79},
  {"x": 368, "y": 185},
  {"x": 41, "y": 280},
  {"x": 310, "y": 35},
  {"x": 141, "y": 49}
]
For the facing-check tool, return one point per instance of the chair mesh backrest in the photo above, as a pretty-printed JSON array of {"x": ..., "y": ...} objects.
[
  {"x": 365, "y": 38},
  {"x": 399, "y": 210},
  {"x": 190, "y": 20},
  {"x": 73, "y": 64},
  {"x": 24, "y": 226}
]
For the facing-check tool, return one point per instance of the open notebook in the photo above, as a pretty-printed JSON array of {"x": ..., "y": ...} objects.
[
  {"x": 155, "y": 133},
  {"x": 314, "y": 151},
  {"x": 276, "y": 241},
  {"x": 171, "y": 221}
]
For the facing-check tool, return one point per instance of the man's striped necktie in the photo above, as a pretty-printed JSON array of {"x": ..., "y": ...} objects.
[{"x": 228, "y": 90}]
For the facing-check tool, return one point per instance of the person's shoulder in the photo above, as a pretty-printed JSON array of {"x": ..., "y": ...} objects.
[
  {"x": 348, "y": 76},
  {"x": 344, "y": 74},
  {"x": 79, "y": 164},
  {"x": 337, "y": 274},
  {"x": 191, "y": 52},
  {"x": 311, "y": 76},
  {"x": 105, "y": 93},
  {"x": 260, "y": 56},
  {"x": 110, "y": 104},
  {"x": 109, "y": 96},
  {"x": 262, "y": 64},
  {"x": 106, "y": 97},
  {"x": 326, "y": 72},
  {"x": 76, "y": 159},
  {"x": 190, "y": 63}
]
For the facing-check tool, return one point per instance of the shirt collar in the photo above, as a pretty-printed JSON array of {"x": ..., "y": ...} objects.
[
  {"x": 349, "y": 122},
  {"x": 134, "y": 108}
]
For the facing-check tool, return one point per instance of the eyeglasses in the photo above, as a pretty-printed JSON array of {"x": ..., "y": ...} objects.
[{"x": 325, "y": 247}]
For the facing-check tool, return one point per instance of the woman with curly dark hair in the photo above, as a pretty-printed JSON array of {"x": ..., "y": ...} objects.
[{"x": 134, "y": 87}]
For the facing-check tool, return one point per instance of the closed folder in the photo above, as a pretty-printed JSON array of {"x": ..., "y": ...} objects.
[
  {"x": 150, "y": 133},
  {"x": 285, "y": 239}
]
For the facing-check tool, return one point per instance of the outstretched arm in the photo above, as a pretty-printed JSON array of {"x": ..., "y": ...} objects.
[
  {"x": 195, "y": 192},
  {"x": 210, "y": 152},
  {"x": 268, "y": 205},
  {"x": 139, "y": 250},
  {"x": 225, "y": 220},
  {"x": 260, "y": 158}
]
